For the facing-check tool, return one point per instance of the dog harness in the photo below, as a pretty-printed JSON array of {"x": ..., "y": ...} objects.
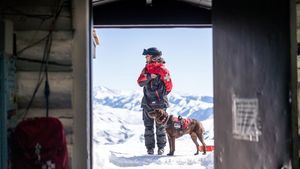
[{"x": 184, "y": 122}]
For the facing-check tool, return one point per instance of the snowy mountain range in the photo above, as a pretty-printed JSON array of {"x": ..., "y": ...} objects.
[
  {"x": 118, "y": 131},
  {"x": 192, "y": 106}
]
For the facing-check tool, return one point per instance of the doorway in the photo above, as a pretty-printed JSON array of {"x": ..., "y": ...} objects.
[{"x": 118, "y": 126}]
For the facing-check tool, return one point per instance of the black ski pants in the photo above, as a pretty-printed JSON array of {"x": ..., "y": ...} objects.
[{"x": 149, "y": 132}]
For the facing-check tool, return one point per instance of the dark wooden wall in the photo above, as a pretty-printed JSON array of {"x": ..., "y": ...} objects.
[
  {"x": 32, "y": 21},
  {"x": 251, "y": 60}
]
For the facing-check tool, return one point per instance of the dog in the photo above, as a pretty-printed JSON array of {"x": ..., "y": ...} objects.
[{"x": 173, "y": 130}]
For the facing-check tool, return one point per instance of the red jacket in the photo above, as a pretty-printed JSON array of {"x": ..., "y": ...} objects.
[{"x": 158, "y": 69}]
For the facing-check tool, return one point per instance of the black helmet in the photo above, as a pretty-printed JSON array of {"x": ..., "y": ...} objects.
[{"x": 152, "y": 51}]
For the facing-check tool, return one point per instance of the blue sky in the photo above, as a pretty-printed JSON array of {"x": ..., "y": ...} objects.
[{"x": 187, "y": 51}]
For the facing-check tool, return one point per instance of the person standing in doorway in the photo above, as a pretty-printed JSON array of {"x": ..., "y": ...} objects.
[{"x": 157, "y": 84}]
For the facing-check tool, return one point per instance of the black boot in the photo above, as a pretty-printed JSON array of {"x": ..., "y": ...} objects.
[
  {"x": 160, "y": 151},
  {"x": 150, "y": 151}
]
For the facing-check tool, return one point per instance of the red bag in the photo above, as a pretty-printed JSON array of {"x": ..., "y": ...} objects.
[
  {"x": 39, "y": 143},
  {"x": 208, "y": 148}
]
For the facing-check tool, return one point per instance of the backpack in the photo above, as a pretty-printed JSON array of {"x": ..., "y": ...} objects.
[{"x": 39, "y": 143}]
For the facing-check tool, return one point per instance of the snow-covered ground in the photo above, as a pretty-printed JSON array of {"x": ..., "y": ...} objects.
[
  {"x": 118, "y": 130},
  {"x": 119, "y": 142}
]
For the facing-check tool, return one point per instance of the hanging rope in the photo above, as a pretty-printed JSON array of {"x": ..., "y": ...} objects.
[{"x": 43, "y": 72}]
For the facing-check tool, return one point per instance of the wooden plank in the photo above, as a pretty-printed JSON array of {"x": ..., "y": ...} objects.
[
  {"x": 32, "y": 3},
  {"x": 69, "y": 138},
  {"x": 34, "y": 66},
  {"x": 24, "y": 23},
  {"x": 58, "y": 113},
  {"x": 61, "y": 51},
  {"x": 34, "y": 35},
  {"x": 30, "y": 59},
  {"x": 68, "y": 125},
  {"x": 298, "y": 15},
  {"x": 64, "y": 115},
  {"x": 57, "y": 100},
  {"x": 70, "y": 155},
  {"x": 298, "y": 33},
  {"x": 61, "y": 85},
  {"x": 34, "y": 17}
]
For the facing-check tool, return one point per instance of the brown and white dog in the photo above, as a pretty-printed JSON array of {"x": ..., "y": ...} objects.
[{"x": 193, "y": 127}]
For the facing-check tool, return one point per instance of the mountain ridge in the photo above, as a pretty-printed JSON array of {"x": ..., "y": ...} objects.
[{"x": 192, "y": 106}]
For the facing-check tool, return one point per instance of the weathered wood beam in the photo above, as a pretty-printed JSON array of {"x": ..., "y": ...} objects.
[{"x": 61, "y": 85}]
